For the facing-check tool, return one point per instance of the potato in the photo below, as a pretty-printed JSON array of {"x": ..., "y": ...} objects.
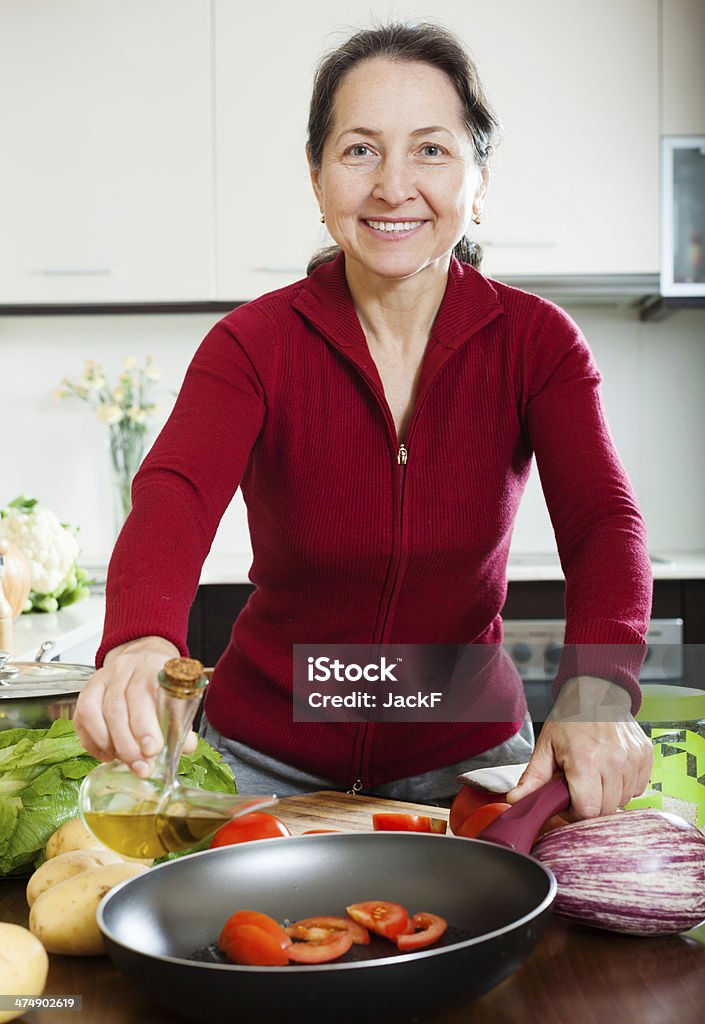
[
  {"x": 64, "y": 917},
  {"x": 66, "y": 865},
  {"x": 24, "y": 965},
  {"x": 73, "y": 835}
]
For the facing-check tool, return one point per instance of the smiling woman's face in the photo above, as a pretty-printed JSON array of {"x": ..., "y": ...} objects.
[{"x": 398, "y": 177}]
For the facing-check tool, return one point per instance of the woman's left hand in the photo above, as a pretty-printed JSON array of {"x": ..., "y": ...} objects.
[{"x": 592, "y": 737}]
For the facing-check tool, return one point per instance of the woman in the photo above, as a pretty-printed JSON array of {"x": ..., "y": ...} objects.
[{"x": 381, "y": 417}]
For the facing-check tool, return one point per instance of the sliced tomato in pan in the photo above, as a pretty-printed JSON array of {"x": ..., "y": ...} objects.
[
  {"x": 428, "y": 929},
  {"x": 320, "y": 951},
  {"x": 318, "y": 928},
  {"x": 247, "y": 944},
  {"x": 381, "y": 917},
  {"x": 256, "y": 919}
]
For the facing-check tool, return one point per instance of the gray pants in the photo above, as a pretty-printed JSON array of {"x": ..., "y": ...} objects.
[{"x": 257, "y": 773}]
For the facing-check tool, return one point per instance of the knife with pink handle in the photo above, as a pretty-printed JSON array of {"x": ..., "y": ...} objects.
[{"x": 518, "y": 827}]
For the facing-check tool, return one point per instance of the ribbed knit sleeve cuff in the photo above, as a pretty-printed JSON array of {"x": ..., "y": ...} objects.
[
  {"x": 606, "y": 649},
  {"x": 140, "y": 612}
]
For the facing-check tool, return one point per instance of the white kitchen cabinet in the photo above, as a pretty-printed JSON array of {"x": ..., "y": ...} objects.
[
  {"x": 107, "y": 151},
  {"x": 683, "y": 67},
  {"x": 154, "y": 151},
  {"x": 268, "y": 225},
  {"x": 575, "y": 180}
]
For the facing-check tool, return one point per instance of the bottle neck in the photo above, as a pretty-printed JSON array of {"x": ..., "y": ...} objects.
[{"x": 176, "y": 714}]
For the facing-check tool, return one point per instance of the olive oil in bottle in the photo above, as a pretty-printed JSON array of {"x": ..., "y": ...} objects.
[
  {"x": 151, "y": 835},
  {"x": 158, "y": 815}
]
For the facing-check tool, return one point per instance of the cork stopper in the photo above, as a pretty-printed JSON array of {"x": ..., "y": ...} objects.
[{"x": 183, "y": 677}]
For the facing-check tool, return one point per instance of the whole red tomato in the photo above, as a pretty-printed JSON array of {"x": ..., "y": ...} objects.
[
  {"x": 255, "y": 825},
  {"x": 478, "y": 821},
  {"x": 469, "y": 800}
]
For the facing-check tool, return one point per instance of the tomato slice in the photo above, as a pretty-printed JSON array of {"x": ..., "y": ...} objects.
[
  {"x": 478, "y": 822},
  {"x": 380, "y": 916},
  {"x": 254, "y": 947},
  {"x": 318, "y": 928},
  {"x": 255, "y": 825},
  {"x": 321, "y": 951},
  {"x": 428, "y": 929},
  {"x": 258, "y": 920},
  {"x": 394, "y": 821},
  {"x": 469, "y": 800}
]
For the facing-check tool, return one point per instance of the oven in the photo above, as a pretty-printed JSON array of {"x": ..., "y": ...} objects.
[{"x": 535, "y": 647}]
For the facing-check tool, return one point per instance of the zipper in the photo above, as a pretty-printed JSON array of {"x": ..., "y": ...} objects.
[{"x": 402, "y": 460}]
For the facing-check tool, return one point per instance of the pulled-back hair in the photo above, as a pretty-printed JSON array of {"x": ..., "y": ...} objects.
[{"x": 422, "y": 42}]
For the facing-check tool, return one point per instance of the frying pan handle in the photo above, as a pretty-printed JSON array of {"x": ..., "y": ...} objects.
[{"x": 518, "y": 827}]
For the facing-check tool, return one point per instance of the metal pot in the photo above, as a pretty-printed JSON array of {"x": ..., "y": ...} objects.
[{"x": 33, "y": 694}]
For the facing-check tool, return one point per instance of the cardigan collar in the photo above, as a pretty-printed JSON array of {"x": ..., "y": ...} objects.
[{"x": 469, "y": 303}]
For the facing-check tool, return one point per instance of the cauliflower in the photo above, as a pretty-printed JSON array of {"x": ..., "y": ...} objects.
[{"x": 51, "y": 549}]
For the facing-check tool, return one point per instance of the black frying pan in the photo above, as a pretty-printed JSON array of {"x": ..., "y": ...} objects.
[{"x": 496, "y": 902}]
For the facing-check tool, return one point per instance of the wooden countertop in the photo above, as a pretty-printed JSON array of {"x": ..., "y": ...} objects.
[{"x": 575, "y": 974}]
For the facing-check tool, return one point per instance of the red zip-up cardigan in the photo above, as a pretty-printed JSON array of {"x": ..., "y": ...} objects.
[{"x": 284, "y": 399}]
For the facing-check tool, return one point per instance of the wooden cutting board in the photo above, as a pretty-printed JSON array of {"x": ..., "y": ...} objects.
[{"x": 328, "y": 809}]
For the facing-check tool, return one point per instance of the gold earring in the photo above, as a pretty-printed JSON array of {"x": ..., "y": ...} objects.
[
  {"x": 323, "y": 217},
  {"x": 476, "y": 218}
]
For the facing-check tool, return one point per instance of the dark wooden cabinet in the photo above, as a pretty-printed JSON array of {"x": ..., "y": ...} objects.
[
  {"x": 218, "y": 605},
  {"x": 683, "y": 599},
  {"x": 212, "y": 618}
]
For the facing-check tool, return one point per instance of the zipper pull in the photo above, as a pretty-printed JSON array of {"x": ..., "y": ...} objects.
[
  {"x": 356, "y": 787},
  {"x": 402, "y": 455}
]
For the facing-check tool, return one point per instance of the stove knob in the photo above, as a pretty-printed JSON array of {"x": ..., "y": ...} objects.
[
  {"x": 521, "y": 653},
  {"x": 552, "y": 653}
]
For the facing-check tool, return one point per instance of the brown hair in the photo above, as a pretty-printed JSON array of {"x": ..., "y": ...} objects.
[{"x": 419, "y": 41}]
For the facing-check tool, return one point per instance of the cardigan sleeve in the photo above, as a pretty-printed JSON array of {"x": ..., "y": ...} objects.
[
  {"x": 600, "y": 532},
  {"x": 180, "y": 493}
]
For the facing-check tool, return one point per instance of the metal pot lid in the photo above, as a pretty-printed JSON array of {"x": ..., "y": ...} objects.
[{"x": 21, "y": 679}]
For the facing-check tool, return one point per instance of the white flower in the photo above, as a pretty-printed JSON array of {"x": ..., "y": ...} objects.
[
  {"x": 129, "y": 400},
  {"x": 109, "y": 414}
]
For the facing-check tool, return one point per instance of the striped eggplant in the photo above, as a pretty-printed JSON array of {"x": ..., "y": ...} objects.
[{"x": 641, "y": 872}]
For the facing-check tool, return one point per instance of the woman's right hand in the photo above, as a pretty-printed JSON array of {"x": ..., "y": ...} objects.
[{"x": 116, "y": 713}]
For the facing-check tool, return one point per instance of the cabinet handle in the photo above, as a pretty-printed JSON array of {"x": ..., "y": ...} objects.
[
  {"x": 72, "y": 272},
  {"x": 511, "y": 243},
  {"x": 279, "y": 270}
]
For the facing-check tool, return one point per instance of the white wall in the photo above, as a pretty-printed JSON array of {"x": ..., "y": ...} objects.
[
  {"x": 654, "y": 392},
  {"x": 57, "y": 451}
]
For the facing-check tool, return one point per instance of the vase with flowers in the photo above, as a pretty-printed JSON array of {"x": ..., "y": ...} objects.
[{"x": 126, "y": 409}]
